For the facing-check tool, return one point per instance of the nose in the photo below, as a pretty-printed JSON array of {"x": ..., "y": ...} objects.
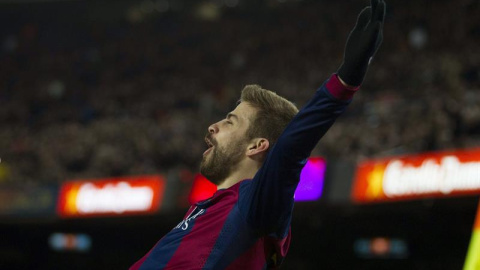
[{"x": 212, "y": 129}]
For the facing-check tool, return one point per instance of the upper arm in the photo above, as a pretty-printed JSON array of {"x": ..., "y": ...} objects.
[{"x": 267, "y": 202}]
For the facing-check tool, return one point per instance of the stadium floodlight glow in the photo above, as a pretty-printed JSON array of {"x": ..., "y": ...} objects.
[{"x": 309, "y": 188}]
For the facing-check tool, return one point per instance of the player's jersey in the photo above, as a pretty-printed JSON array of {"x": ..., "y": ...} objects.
[{"x": 247, "y": 226}]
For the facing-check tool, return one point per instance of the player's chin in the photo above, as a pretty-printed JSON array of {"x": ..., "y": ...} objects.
[{"x": 204, "y": 160}]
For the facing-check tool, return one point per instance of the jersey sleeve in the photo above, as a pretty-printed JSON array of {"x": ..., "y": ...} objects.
[{"x": 267, "y": 202}]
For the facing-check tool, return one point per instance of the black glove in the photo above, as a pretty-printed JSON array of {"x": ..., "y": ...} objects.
[{"x": 362, "y": 43}]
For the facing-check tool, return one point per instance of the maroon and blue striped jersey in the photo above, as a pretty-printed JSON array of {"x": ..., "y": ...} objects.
[{"x": 247, "y": 226}]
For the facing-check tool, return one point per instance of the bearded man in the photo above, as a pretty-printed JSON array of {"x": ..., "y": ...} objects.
[{"x": 255, "y": 156}]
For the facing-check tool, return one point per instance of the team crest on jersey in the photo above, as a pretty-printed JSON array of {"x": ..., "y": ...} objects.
[{"x": 185, "y": 223}]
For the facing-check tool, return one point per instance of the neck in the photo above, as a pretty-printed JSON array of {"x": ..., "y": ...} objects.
[{"x": 246, "y": 170}]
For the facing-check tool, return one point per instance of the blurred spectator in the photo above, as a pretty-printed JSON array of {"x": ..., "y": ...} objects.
[{"x": 85, "y": 101}]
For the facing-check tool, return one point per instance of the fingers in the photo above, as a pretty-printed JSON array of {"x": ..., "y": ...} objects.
[
  {"x": 363, "y": 18},
  {"x": 378, "y": 7},
  {"x": 373, "y": 4},
  {"x": 371, "y": 15},
  {"x": 375, "y": 33}
]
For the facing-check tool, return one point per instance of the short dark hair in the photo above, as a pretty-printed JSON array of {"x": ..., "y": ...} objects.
[{"x": 273, "y": 115}]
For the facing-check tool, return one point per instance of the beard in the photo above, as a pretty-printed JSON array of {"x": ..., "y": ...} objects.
[{"x": 223, "y": 161}]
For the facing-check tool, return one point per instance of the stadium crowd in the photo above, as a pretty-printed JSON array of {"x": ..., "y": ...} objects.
[{"x": 95, "y": 100}]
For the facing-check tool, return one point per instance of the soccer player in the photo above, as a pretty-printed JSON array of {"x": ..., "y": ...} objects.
[{"x": 255, "y": 156}]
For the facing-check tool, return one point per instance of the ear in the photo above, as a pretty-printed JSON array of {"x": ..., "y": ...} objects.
[{"x": 258, "y": 146}]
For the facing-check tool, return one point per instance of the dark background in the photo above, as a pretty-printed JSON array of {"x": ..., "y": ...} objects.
[{"x": 94, "y": 89}]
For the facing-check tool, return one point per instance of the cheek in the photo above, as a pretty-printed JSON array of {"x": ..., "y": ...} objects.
[
  {"x": 226, "y": 138},
  {"x": 231, "y": 141},
  {"x": 231, "y": 137}
]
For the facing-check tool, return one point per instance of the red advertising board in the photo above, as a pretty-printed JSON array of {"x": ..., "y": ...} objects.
[
  {"x": 202, "y": 189},
  {"x": 112, "y": 196},
  {"x": 416, "y": 176},
  {"x": 309, "y": 188}
]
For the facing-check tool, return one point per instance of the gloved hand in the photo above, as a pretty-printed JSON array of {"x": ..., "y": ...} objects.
[{"x": 362, "y": 43}]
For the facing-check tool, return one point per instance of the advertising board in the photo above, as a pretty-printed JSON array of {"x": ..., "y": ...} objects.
[
  {"x": 417, "y": 176},
  {"x": 113, "y": 196}
]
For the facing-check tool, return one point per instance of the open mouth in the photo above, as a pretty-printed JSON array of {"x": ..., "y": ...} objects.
[{"x": 210, "y": 146}]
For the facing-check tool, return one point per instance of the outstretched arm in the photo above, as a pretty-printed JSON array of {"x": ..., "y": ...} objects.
[{"x": 268, "y": 200}]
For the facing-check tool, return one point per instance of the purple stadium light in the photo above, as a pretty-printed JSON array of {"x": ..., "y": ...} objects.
[{"x": 311, "y": 180}]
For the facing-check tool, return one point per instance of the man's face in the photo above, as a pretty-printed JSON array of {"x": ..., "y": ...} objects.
[{"x": 227, "y": 143}]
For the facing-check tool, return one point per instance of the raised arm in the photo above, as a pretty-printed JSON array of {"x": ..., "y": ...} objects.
[{"x": 268, "y": 200}]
